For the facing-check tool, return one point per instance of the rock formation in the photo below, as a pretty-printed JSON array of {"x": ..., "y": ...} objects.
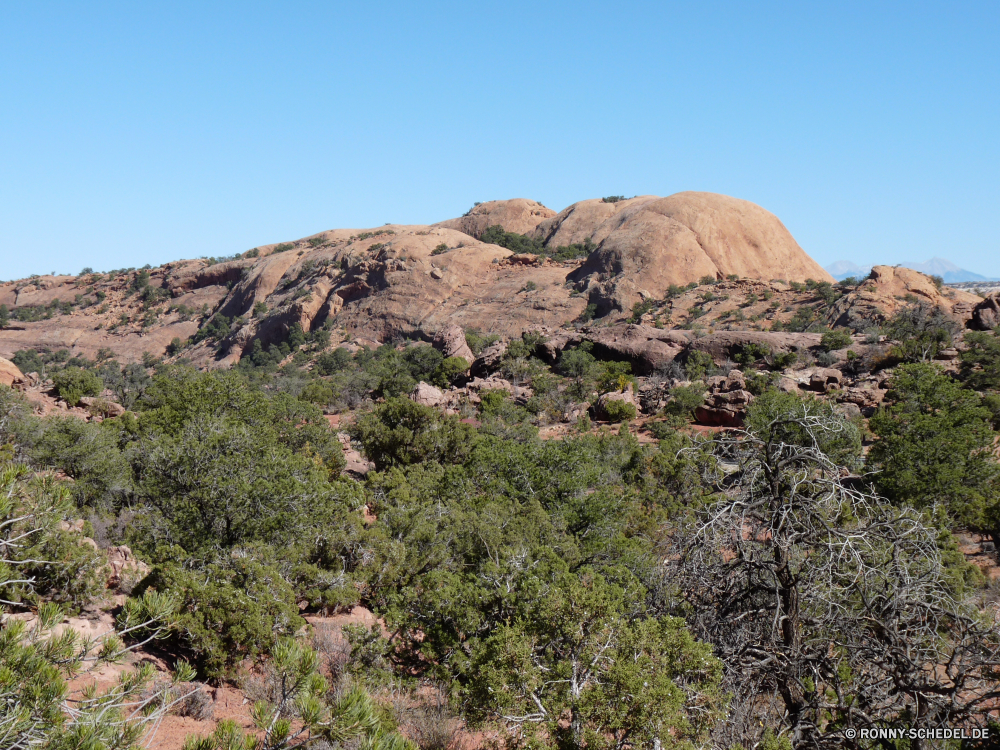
[
  {"x": 888, "y": 288},
  {"x": 9, "y": 373},
  {"x": 646, "y": 244},
  {"x": 518, "y": 215},
  {"x": 727, "y": 401},
  {"x": 434, "y": 282},
  {"x": 986, "y": 314}
]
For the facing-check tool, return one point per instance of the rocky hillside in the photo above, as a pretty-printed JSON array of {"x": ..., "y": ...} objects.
[
  {"x": 596, "y": 258},
  {"x": 412, "y": 409}
]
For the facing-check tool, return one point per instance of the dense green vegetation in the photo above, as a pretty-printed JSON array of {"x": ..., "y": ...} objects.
[
  {"x": 526, "y": 578},
  {"x": 519, "y": 243}
]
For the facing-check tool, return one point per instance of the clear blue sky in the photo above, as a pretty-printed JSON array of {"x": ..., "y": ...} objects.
[{"x": 146, "y": 132}]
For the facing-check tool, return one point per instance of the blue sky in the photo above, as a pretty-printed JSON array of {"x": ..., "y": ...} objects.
[{"x": 146, "y": 132}]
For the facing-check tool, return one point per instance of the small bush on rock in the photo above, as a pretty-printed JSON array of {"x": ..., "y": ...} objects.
[
  {"x": 833, "y": 340},
  {"x": 74, "y": 383},
  {"x": 619, "y": 411}
]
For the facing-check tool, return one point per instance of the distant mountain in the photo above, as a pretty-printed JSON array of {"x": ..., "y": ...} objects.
[
  {"x": 841, "y": 269},
  {"x": 947, "y": 270}
]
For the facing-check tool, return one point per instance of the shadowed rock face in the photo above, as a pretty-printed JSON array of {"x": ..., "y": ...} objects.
[{"x": 986, "y": 314}]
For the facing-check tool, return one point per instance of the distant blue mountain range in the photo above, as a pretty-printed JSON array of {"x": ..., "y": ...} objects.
[{"x": 947, "y": 270}]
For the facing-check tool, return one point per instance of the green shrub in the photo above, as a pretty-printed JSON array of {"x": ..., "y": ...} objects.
[
  {"x": 450, "y": 370},
  {"x": 441, "y": 248},
  {"x": 74, "y": 383},
  {"x": 684, "y": 399},
  {"x": 588, "y": 313},
  {"x": 757, "y": 382},
  {"x": 833, "y": 340},
  {"x": 41, "y": 561},
  {"x": 803, "y": 318},
  {"x": 612, "y": 198},
  {"x": 780, "y": 414},
  {"x": 338, "y": 360},
  {"x": 980, "y": 360},
  {"x": 920, "y": 332},
  {"x": 784, "y": 360},
  {"x": 519, "y": 243},
  {"x": 28, "y": 360},
  {"x": 698, "y": 365},
  {"x": 226, "y": 611},
  {"x": 491, "y": 402},
  {"x": 935, "y": 446},
  {"x": 706, "y": 280},
  {"x": 140, "y": 281},
  {"x": 825, "y": 291},
  {"x": 478, "y": 341},
  {"x": 318, "y": 392},
  {"x": 619, "y": 411},
  {"x": 826, "y": 359},
  {"x": 401, "y": 432},
  {"x": 750, "y": 353},
  {"x": 614, "y": 376},
  {"x": 639, "y": 309},
  {"x": 216, "y": 328}
]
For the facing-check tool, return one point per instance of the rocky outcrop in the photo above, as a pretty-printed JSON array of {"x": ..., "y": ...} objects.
[
  {"x": 518, "y": 215},
  {"x": 102, "y": 406},
  {"x": 727, "y": 401},
  {"x": 258, "y": 283},
  {"x": 451, "y": 342},
  {"x": 866, "y": 396},
  {"x": 602, "y": 407},
  {"x": 580, "y": 221},
  {"x": 415, "y": 281},
  {"x": 519, "y": 394},
  {"x": 218, "y": 274},
  {"x": 10, "y": 375},
  {"x": 727, "y": 344},
  {"x": 427, "y": 395},
  {"x": 489, "y": 359},
  {"x": 648, "y": 349},
  {"x": 125, "y": 568},
  {"x": 985, "y": 315},
  {"x": 824, "y": 379},
  {"x": 647, "y": 244},
  {"x": 889, "y": 288}
]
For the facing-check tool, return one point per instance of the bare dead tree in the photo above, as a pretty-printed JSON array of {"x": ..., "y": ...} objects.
[{"x": 831, "y": 609}]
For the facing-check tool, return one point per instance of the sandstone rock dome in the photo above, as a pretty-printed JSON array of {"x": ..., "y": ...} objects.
[
  {"x": 645, "y": 244},
  {"x": 518, "y": 215},
  {"x": 648, "y": 243}
]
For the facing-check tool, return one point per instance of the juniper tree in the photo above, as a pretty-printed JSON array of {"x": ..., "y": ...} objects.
[{"x": 830, "y": 608}]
